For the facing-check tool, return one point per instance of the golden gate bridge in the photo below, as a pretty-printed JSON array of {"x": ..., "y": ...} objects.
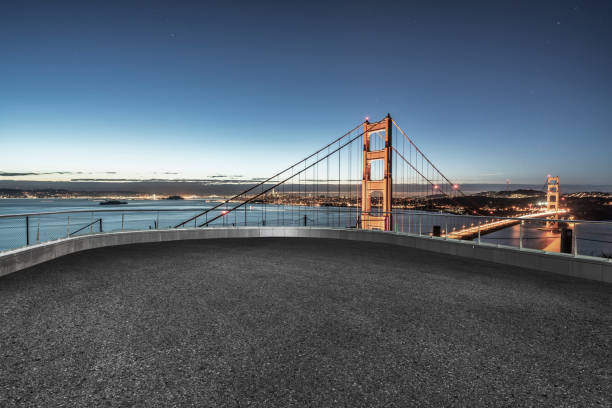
[{"x": 372, "y": 177}]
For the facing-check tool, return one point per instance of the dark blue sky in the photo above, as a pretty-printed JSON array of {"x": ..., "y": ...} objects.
[{"x": 489, "y": 90}]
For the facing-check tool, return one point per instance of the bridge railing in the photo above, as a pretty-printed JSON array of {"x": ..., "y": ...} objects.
[{"x": 577, "y": 237}]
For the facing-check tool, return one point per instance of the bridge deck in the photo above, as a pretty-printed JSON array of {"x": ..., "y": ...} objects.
[
  {"x": 299, "y": 321},
  {"x": 472, "y": 231}
]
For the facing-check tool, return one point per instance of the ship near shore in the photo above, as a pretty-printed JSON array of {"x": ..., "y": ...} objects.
[{"x": 113, "y": 202}]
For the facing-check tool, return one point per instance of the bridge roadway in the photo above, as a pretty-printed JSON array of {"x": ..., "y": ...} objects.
[
  {"x": 471, "y": 232},
  {"x": 277, "y": 322}
]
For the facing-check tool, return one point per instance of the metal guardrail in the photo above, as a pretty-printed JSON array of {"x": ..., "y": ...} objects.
[
  {"x": 98, "y": 221},
  {"x": 578, "y": 237}
]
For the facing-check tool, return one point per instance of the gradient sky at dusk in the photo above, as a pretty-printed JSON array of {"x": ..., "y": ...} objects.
[{"x": 488, "y": 90}]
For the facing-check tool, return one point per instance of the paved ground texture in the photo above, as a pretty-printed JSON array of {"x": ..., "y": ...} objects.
[{"x": 299, "y": 322}]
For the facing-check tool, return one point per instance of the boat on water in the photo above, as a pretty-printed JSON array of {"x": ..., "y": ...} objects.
[{"x": 112, "y": 202}]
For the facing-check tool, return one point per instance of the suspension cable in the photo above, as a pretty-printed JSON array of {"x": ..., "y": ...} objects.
[
  {"x": 267, "y": 180},
  {"x": 283, "y": 181}
]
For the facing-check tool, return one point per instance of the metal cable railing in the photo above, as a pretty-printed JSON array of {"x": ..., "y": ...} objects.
[{"x": 585, "y": 238}]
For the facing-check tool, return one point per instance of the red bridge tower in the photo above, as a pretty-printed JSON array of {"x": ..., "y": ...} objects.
[{"x": 375, "y": 153}]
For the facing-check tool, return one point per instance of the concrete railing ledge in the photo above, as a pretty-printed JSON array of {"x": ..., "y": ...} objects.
[{"x": 598, "y": 269}]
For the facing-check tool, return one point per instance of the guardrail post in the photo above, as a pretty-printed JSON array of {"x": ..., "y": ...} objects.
[
  {"x": 68, "y": 227},
  {"x": 521, "y": 234},
  {"x": 566, "y": 240},
  {"x": 478, "y": 232},
  {"x": 122, "y": 215},
  {"x": 446, "y": 230},
  {"x": 157, "y": 223},
  {"x": 27, "y": 230},
  {"x": 100, "y": 220},
  {"x": 575, "y": 239},
  {"x": 420, "y": 224}
]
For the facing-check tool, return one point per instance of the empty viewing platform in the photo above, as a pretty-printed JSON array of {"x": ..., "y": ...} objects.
[{"x": 299, "y": 322}]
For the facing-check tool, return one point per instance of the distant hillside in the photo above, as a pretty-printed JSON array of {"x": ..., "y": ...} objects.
[{"x": 519, "y": 193}]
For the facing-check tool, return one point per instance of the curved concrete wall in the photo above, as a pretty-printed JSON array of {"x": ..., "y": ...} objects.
[{"x": 582, "y": 267}]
